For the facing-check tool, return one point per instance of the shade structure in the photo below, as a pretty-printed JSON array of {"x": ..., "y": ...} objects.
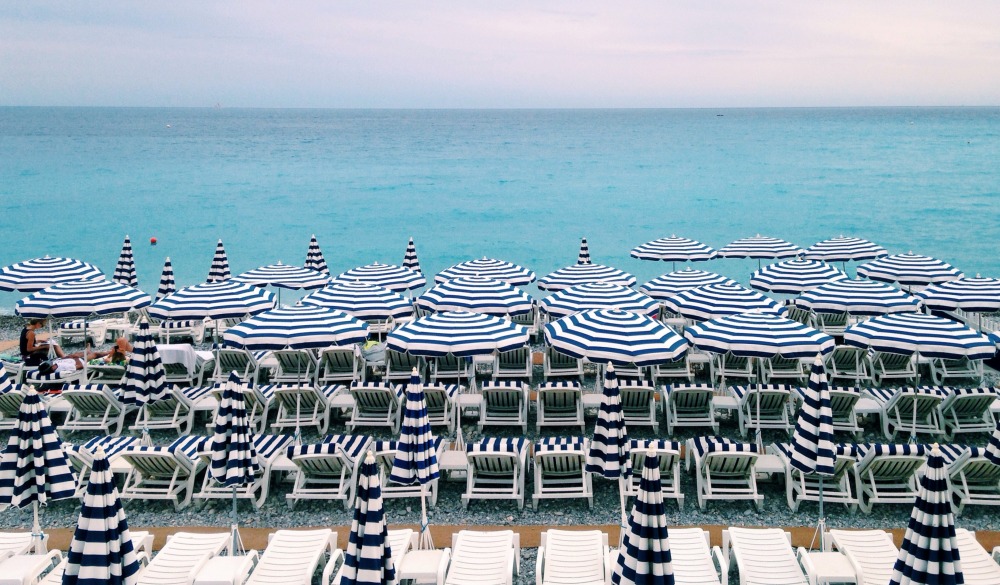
[
  {"x": 588, "y": 273},
  {"x": 314, "y": 257},
  {"x": 597, "y": 295},
  {"x": 125, "y": 269},
  {"x": 167, "y": 285},
  {"x": 759, "y": 335},
  {"x": 34, "y": 275},
  {"x": 368, "y": 558},
  {"x": 858, "y": 297},
  {"x": 674, "y": 249},
  {"x": 844, "y": 249},
  {"x": 583, "y": 256},
  {"x": 214, "y": 300},
  {"x": 82, "y": 298},
  {"x": 610, "y": 454},
  {"x": 385, "y": 275},
  {"x": 476, "y": 294},
  {"x": 219, "y": 271},
  {"x": 616, "y": 336},
  {"x": 720, "y": 300},
  {"x": 993, "y": 448},
  {"x": 145, "y": 378},
  {"x": 909, "y": 269},
  {"x": 974, "y": 295},
  {"x": 284, "y": 276},
  {"x": 927, "y": 335},
  {"x": 361, "y": 299},
  {"x": 101, "y": 551},
  {"x": 678, "y": 281},
  {"x": 644, "y": 556},
  {"x": 794, "y": 276},
  {"x": 410, "y": 260},
  {"x": 508, "y": 272},
  {"x": 457, "y": 333},
  {"x": 759, "y": 247},
  {"x": 813, "y": 449},
  {"x": 299, "y": 327},
  {"x": 929, "y": 554}
]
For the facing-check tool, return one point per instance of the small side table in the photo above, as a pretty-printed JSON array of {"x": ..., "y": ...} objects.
[
  {"x": 826, "y": 568},
  {"x": 226, "y": 570},
  {"x": 454, "y": 464},
  {"x": 423, "y": 566},
  {"x": 469, "y": 401}
]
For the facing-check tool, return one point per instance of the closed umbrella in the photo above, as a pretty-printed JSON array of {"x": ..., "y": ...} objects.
[
  {"x": 609, "y": 454},
  {"x": 368, "y": 558},
  {"x": 125, "y": 269},
  {"x": 394, "y": 278},
  {"x": 584, "y": 272},
  {"x": 314, "y": 257},
  {"x": 219, "y": 270},
  {"x": 597, "y": 295},
  {"x": 410, "y": 260},
  {"x": 644, "y": 557},
  {"x": 476, "y": 294},
  {"x": 720, "y": 300},
  {"x": 167, "y": 285},
  {"x": 145, "y": 378},
  {"x": 678, "y": 281},
  {"x": 34, "y": 275},
  {"x": 619, "y": 337},
  {"x": 362, "y": 300},
  {"x": 909, "y": 269},
  {"x": 794, "y": 276},
  {"x": 813, "y": 449},
  {"x": 674, "y": 249},
  {"x": 508, "y": 272}
]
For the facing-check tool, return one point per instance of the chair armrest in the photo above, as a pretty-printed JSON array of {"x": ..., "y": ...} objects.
[
  {"x": 996, "y": 554},
  {"x": 331, "y": 566},
  {"x": 517, "y": 537},
  {"x": 443, "y": 566},
  {"x": 807, "y": 565},
  {"x": 539, "y": 563},
  {"x": 610, "y": 558},
  {"x": 723, "y": 565}
]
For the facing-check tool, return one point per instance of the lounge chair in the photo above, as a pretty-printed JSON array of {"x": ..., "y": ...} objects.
[
  {"x": 515, "y": 363},
  {"x": 94, "y": 408},
  {"x": 800, "y": 487},
  {"x": 399, "y": 365},
  {"x": 872, "y": 553},
  {"x": 53, "y": 380},
  {"x": 110, "y": 375},
  {"x": 450, "y": 367},
  {"x": 843, "y": 401},
  {"x": 292, "y": 557},
  {"x": 559, "y": 404},
  {"x": 164, "y": 473},
  {"x": 97, "y": 331},
  {"x": 496, "y": 470},
  {"x": 725, "y": 367},
  {"x": 183, "y": 556},
  {"x": 833, "y": 324},
  {"x": 340, "y": 365},
  {"x": 963, "y": 368},
  {"x": 967, "y": 410},
  {"x": 530, "y": 320},
  {"x": 797, "y": 314},
  {"x": 10, "y": 405},
  {"x": 294, "y": 366},
  {"x": 183, "y": 365},
  {"x": 850, "y": 364},
  {"x": 175, "y": 411},
  {"x": 909, "y": 410},
  {"x": 689, "y": 405},
  {"x": 505, "y": 403},
  {"x": 81, "y": 457},
  {"x": 974, "y": 479},
  {"x": 695, "y": 560},
  {"x": 894, "y": 366},
  {"x": 772, "y": 412},
  {"x": 327, "y": 470},
  {"x": 784, "y": 368},
  {"x": 19, "y": 543},
  {"x": 173, "y": 329},
  {"x": 29, "y": 568},
  {"x": 669, "y": 453},
  {"x": 442, "y": 409},
  {"x": 376, "y": 404},
  {"x": 679, "y": 368},
  {"x": 245, "y": 363},
  {"x": 725, "y": 470},
  {"x": 560, "y": 365},
  {"x": 978, "y": 567},
  {"x": 763, "y": 555},
  {"x": 385, "y": 453},
  {"x": 625, "y": 372},
  {"x": 887, "y": 474},
  {"x": 638, "y": 400},
  {"x": 484, "y": 558},
  {"x": 559, "y": 470},
  {"x": 268, "y": 449},
  {"x": 573, "y": 557},
  {"x": 303, "y": 405}
]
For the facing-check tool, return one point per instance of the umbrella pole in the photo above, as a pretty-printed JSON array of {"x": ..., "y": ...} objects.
[
  {"x": 621, "y": 500},
  {"x": 236, "y": 546},
  {"x": 821, "y": 526},
  {"x": 760, "y": 390},
  {"x": 85, "y": 350},
  {"x": 913, "y": 429},
  {"x": 36, "y": 530},
  {"x": 426, "y": 541}
]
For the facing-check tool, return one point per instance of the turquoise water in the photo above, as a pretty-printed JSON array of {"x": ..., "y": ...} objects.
[{"x": 519, "y": 185}]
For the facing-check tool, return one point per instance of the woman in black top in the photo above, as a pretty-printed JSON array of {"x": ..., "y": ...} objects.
[{"x": 34, "y": 352}]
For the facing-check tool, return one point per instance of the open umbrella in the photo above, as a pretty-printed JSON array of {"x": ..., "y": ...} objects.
[
  {"x": 125, "y": 269},
  {"x": 284, "y": 276},
  {"x": 458, "y": 333},
  {"x": 362, "y": 300},
  {"x": 314, "y": 257},
  {"x": 34, "y": 275},
  {"x": 597, "y": 295},
  {"x": 759, "y": 247},
  {"x": 508, "y": 272},
  {"x": 844, "y": 249},
  {"x": 813, "y": 450},
  {"x": 674, "y": 249},
  {"x": 167, "y": 285},
  {"x": 972, "y": 295},
  {"x": 410, "y": 260},
  {"x": 720, "y": 300},
  {"x": 584, "y": 272},
  {"x": 609, "y": 454},
  {"x": 619, "y": 337},
  {"x": 678, "y": 281},
  {"x": 644, "y": 556},
  {"x": 299, "y": 327},
  {"x": 909, "y": 269},
  {"x": 219, "y": 270},
  {"x": 213, "y": 300},
  {"x": 857, "y": 297},
  {"x": 368, "y": 558},
  {"x": 394, "y": 278},
  {"x": 794, "y": 276},
  {"x": 476, "y": 294}
]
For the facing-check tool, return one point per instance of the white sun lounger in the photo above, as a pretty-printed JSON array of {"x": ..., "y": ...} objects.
[
  {"x": 268, "y": 449},
  {"x": 898, "y": 412},
  {"x": 94, "y": 408},
  {"x": 515, "y": 363},
  {"x": 164, "y": 473},
  {"x": 978, "y": 567},
  {"x": 376, "y": 404},
  {"x": 496, "y": 470},
  {"x": 246, "y": 365},
  {"x": 183, "y": 556},
  {"x": 442, "y": 409},
  {"x": 849, "y": 364},
  {"x": 785, "y": 369},
  {"x": 81, "y": 457},
  {"x": 450, "y": 367},
  {"x": 872, "y": 553},
  {"x": 689, "y": 405},
  {"x": 484, "y": 558},
  {"x": 694, "y": 560},
  {"x": 53, "y": 379},
  {"x": 573, "y": 557},
  {"x": 176, "y": 411},
  {"x": 800, "y": 487},
  {"x": 294, "y": 366},
  {"x": 679, "y": 368},
  {"x": 399, "y": 365},
  {"x": 172, "y": 329},
  {"x": 967, "y": 410},
  {"x": 107, "y": 374},
  {"x": 97, "y": 331},
  {"x": 18, "y": 543},
  {"x": 974, "y": 479},
  {"x": 10, "y": 404},
  {"x": 142, "y": 544},
  {"x": 669, "y": 453},
  {"x": 505, "y": 403},
  {"x": 293, "y": 556},
  {"x": 725, "y": 367},
  {"x": 327, "y": 470},
  {"x": 773, "y": 411},
  {"x": 833, "y": 324},
  {"x": 843, "y": 401},
  {"x": 184, "y": 365},
  {"x": 302, "y": 405},
  {"x": 963, "y": 368},
  {"x": 638, "y": 400},
  {"x": 28, "y": 568},
  {"x": 887, "y": 474},
  {"x": 559, "y": 404},
  {"x": 340, "y": 365},
  {"x": 725, "y": 470},
  {"x": 894, "y": 366},
  {"x": 558, "y": 365},
  {"x": 560, "y": 470},
  {"x": 385, "y": 453},
  {"x": 763, "y": 556}
]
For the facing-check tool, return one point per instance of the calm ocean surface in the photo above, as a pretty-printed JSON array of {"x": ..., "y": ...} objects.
[{"x": 519, "y": 185}]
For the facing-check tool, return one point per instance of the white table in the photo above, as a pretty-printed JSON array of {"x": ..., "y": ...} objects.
[
  {"x": 225, "y": 570},
  {"x": 423, "y": 566},
  {"x": 469, "y": 401},
  {"x": 825, "y": 568},
  {"x": 769, "y": 464}
]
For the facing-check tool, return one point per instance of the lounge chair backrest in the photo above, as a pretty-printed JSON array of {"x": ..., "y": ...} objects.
[
  {"x": 690, "y": 397},
  {"x": 667, "y": 451},
  {"x": 503, "y": 396},
  {"x": 401, "y": 361},
  {"x": 977, "y": 564},
  {"x": 375, "y": 397},
  {"x": 843, "y": 400},
  {"x": 291, "y": 557},
  {"x": 299, "y": 365},
  {"x": 773, "y": 397},
  {"x": 10, "y": 403},
  {"x": 765, "y": 553},
  {"x": 872, "y": 553},
  {"x": 692, "y": 556},
  {"x": 968, "y": 402},
  {"x": 887, "y": 462},
  {"x": 435, "y": 395},
  {"x": 560, "y": 395},
  {"x": 573, "y": 557},
  {"x": 183, "y": 556},
  {"x": 560, "y": 360},
  {"x": 635, "y": 394},
  {"x": 16, "y": 543},
  {"x": 91, "y": 400},
  {"x": 234, "y": 360},
  {"x": 338, "y": 360},
  {"x": 481, "y": 557},
  {"x": 514, "y": 357}
]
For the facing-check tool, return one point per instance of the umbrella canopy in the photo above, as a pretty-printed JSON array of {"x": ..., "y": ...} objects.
[
  {"x": 34, "y": 275},
  {"x": 794, "y": 276},
  {"x": 476, "y": 294},
  {"x": 410, "y": 260},
  {"x": 609, "y": 454},
  {"x": 385, "y": 275},
  {"x": 597, "y": 295},
  {"x": 508, "y": 272},
  {"x": 813, "y": 450},
  {"x": 6, "y": 384},
  {"x": 720, "y": 300},
  {"x": 844, "y": 249},
  {"x": 214, "y": 300},
  {"x": 145, "y": 379},
  {"x": 284, "y": 276},
  {"x": 616, "y": 336},
  {"x": 125, "y": 269},
  {"x": 674, "y": 249},
  {"x": 759, "y": 247},
  {"x": 82, "y": 298},
  {"x": 909, "y": 269},
  {"x": 929, "y": 555},
  {"x": 644, "y": 556},
  {"x": 167, "y": 285},
  {"x": 219, "y": 270},
  {"x": 759, "y": 335},
  {"x": 234, "y": 459},
  {"x": 993, "y": 448},
  {"x": 314, "y": 257},
  {"x": 299, "y": 327},
  {"x": 416, "y": 461},
  {"x": 858, "y": 297},
  {"x": 363, "y": 300},
  {"x": 930, "y": 336},
  {"x": 578, "y": 274},
  {"x": 678, "y": 281},
  {"x": 101, "y": 550},
  {"x": 457, "y": 333},
  {"x": 975, "y": 295},
  {"x": 368, "y": 558}
]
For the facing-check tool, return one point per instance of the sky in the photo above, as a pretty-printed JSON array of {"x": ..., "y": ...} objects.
[{"x": 510, "y": 54}]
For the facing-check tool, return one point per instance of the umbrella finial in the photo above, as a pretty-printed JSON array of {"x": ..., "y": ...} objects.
[
  {"x": 611, "y": 367},
  {"x": 935, "y": 450},
  {"x": 819, "y": 360},
  {"x": 369, "y": 458},
  {"x": 31, "y": 389},
  {"x": 413, "y": 372}
]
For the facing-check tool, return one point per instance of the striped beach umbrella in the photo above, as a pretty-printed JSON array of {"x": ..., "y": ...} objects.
[
  {"x": 363, "y": 300},
  {"x": 909, "y": 269},
  {"x": 416, "y": 461},
  {"x": 583, "y": 257},
  {"x": 299, "y": 327},
  {"x": 858, "y": 297},
  {"x": 145, "y": 378},
  {"x": 167, "y": 285},
  {"x": 82, "y": 298},
  {"x": 101, "y": 551},
  {"x": 597, "y": 295},
  {"x": 368, "y": 558},
  {"x": 34, "y": 470},
  {"x": 314, "y": 257},
  {"x": 644, "y": 556},
  {"x": 993, "y": 448},
  {"x": 975, "y": 295},
  {"x": 720, "y": 300},
  {"x": 616, "y": 336},
  {"x": 578, "y": 274},
  {"x": 457, "y": 333},
  {"x": 284, "y": 276},
  {"x": 508, "y": 272},
  {"x": 476, "y": 294},
  {"x": 759, "y": 335},
  {"x": 219, "y": 270},
  {"x": 385, "y": 275},
  {"x": 794, "y": 276},
  {"x": 674, "y": 249},
  {"x": 678, "y": 281},
  {"x": 759, "y": 247},
  {"x": 34, "y": 275},
  {"x": 813, "y": 449},
  {"x": 925, "y": 335},
  {"x": 6, "y": 383},
  {"x": 929, "y": 555},
  {"x": 609, "y": 454},
  {"x": 125, "y": 269},
  {"x": 844, "y": 249},
  {"x": 214, "y": 300},
  {"x": 410, "y": 260}
]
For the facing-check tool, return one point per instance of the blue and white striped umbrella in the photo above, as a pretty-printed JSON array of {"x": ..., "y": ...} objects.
[
  {"x": 457, "y": 333},
  {"x": 794, "y": 276},
  {"x": 508, "y": 272},
  {"x": 619, "y": 337},
  {"x": 759, "y": 247},
  {"x": 720, "y": 300},
  {"x": 385, "y": 275},
  {"x": 927, "y": 335},
  {"x": 145, "y": 378},
  {"x": 299, "y": 327},
  {"x": 125, "y": 269},
  {"x": 610, "y": 450},
  {"x": 993, "y": 447},
  {"x": 583, "y": 257},
  {"x": 6, "y": 383},
  {"x": 167, "y": 285},
  {"x": 644, "y": 556},
  {"x": 678, "y": 281},
  {"x": 214, "y": 300},
  {"x": 476, "y": 294},
  {"x": 929, "y": 555},
  {"x": 584, "y": 272},
  {"x": 410, "y": 260},
  {"x": 975, "y": 295},
  {"x": 368, "y": 558},
  {"x": 858, "y": 297},
  {"x": 234, "y": 459},
  {"x": 909, "y": 269},
  {"x": 363, "y": 300},
  {"x": 844, "y": 249},
  {"x": 284, "y": 276},
  {"x": 759, "y": 335},
  {"x": 674, "y": 249},
  {"x": 416, "y": 462},
  {"x": 597, "y": 295},
  {"x": 34, "y": 275},
  {"x": 813, "y": 450},
  {"x": 314, "y": 257},
  {"x": 82, "y": 298},
  {"x": 219, "y": 271},
  {"x": 101, "y": 551}
]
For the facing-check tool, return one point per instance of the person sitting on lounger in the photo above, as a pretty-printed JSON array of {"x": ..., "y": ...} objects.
[
  {"x": 118, "y": 355},
  {"x": 33, "y": 350}
]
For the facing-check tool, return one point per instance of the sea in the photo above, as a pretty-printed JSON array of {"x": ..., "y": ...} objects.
[{"x": 518, "y": 185}]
